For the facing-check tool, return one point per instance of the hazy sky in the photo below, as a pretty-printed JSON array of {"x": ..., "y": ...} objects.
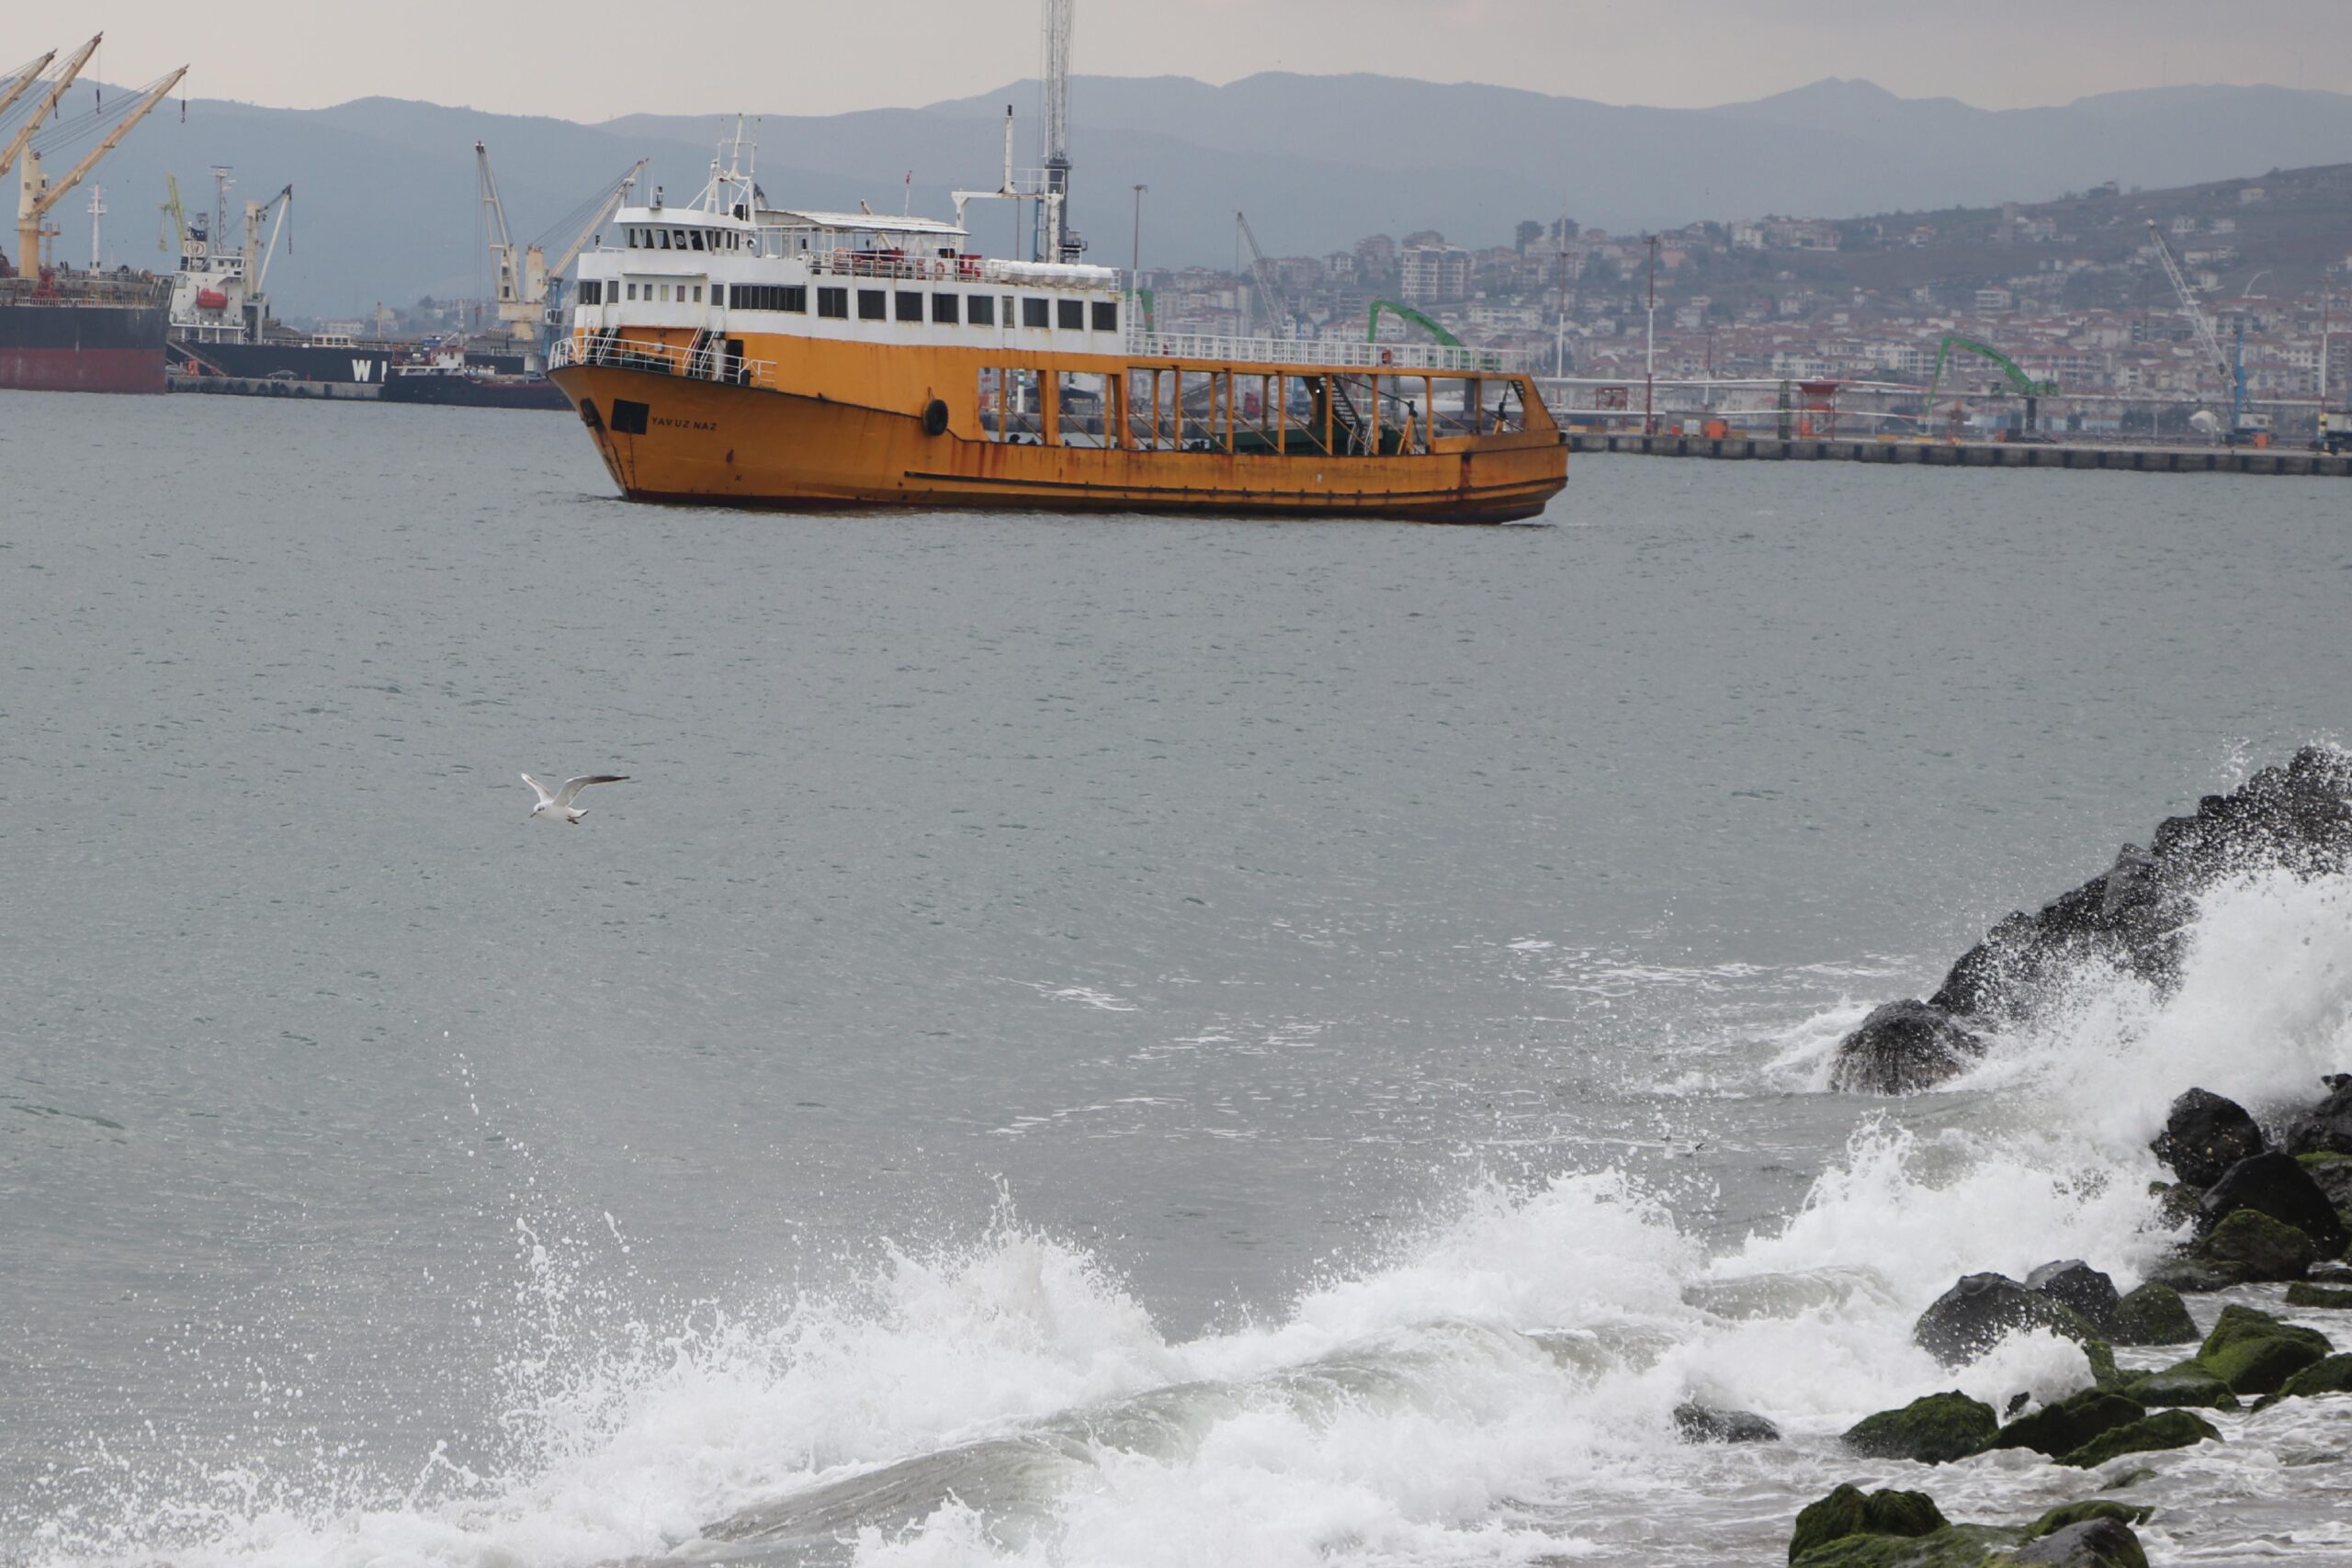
[{"x": 591, "y": 59}]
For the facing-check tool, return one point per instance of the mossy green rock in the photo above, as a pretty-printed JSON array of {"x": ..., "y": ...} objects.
[
  {"x": 1955, "y": 1546},
  {"x": 2334, "y": 1298},
  {"x": 1848, "y": 1512},
  {"x": 2187, "y": 1383},
  {"x": 2101, "y": 1356},
  {"x": 2153, "y": 1315},
  {"x": 2333, "y": 1375},
  {"x": 1933, "y": 1430},
  {"x": 2167, "y": 1429},
  {"x": 2254, "y": 1353},
  {"x": 2261, "y": 1246},
  {"x": 2063, "y": 1427},
  {"x": 2092, "y": 1508}
]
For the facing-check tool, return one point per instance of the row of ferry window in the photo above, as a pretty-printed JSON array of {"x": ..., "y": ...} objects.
[
  {"x": 876, "y": 304},
  {"x": 686, "y": 240}
]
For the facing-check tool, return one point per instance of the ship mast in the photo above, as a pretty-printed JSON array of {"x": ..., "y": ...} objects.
[{"x": 1057, "y": 242}]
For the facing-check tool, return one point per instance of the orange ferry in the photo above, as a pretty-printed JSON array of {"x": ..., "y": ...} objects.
[{"x": 727, "y": 353}]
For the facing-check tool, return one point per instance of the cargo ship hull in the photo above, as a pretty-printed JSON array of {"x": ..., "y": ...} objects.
[
  {"x": 475, "y": 391},
  {"x": 355, "y": 363},
  {"x": 679, "y": 439},
  {"x": 69, "y": 347}
]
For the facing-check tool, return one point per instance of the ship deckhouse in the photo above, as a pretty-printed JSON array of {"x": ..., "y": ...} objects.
[{"x": 739, "y": 273}]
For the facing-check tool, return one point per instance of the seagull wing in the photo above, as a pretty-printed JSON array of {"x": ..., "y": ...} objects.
[
  {"x": 545, "y": 793},
  {"x": 571, "y": 787}
]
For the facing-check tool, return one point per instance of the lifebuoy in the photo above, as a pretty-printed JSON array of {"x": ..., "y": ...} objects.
[
  {"x": 934, "y": 418},
  {"x": 1388, "y": 356}
]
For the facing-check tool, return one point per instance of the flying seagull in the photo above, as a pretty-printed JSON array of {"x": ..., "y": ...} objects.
[{"x": 555, "y": 804}]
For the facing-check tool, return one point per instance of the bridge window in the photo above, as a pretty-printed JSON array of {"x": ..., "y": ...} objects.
[
  {"x": 833, "y": 303},
  {"x": 911, "y": 304},
  {"x": 1036, "y": 312},
  {"x": 590, "y": 291},
  {"x": 943, "y": 308},
  {"x": 1106, "y": 315},
  {"x": 770, "y": 297},
  {"x": 872, "y": 305},
  {"x": 695, "y": 235},
  {"x": 1072, "y": 314},
  {"x": 981, "y": 311}
]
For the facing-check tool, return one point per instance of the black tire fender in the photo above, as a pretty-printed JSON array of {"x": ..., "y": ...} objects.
[{"x": 934, "y": 418}]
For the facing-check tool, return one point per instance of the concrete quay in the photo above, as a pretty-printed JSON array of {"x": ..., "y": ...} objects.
[
  {"x": 1973, "y": 454},
  {"x": 268, "y": 386}
]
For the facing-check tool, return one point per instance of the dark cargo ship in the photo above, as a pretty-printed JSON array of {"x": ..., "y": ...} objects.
[
  {"x": 62, "y": 331},
  {"x": 83, "y": 332}
]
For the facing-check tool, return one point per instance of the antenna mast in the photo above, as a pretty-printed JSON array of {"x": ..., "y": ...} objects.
[{"x": 1057, "y": 242}]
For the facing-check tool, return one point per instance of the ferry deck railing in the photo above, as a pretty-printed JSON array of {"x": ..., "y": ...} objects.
[
  {"x": 698, "y": 361},
  {"x": 1378, "y": 356}
]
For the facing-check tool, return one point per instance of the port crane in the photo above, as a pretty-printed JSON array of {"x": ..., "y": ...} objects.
[
  {"x": 173, "y": 238},
  {"x": 524, "y": 272},
  {"x": 2031, "y": 390},
  {"x": 2233, "y": 374},
  {"x": 23, "y": 81},
  {"x": 1281, "y": 320},
  {"x": 38, "y": 194}
]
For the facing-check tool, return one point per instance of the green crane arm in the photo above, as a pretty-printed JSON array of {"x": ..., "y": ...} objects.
[
  {"x": 2026, "y": 385},
  {"x": 1408, "y": 313}
]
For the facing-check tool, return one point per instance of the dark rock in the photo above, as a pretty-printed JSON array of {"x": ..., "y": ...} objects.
[
  {"x": 1901, "y": 1048},
  {"x": 2254, "y": 1353},
  {"x": 1699, "y": 1425},
  {"x": 2330, "y": 1374},
  {"x": 2204, "y": 1135},
  {"x": 2165, "y": 1429},
  {"x": 2275, "y": 1184},
  {"x": 2330, "y": 1297},
  {"x": 2327, "y": 1127},
  {"x": 2067, "y": 1513},
  {"x": 2186, "y": 1383},
  {"x": 2258, "y": 1248},
  {"x": 2131, "y": 916},
  {"x": 2093, "y": 1543},
  {"x": 2177, "y": 1202},
  {"x": 2333, "y": 1174},
  {"x": 1848, "y": 1512},
  {"x": 2337, "y": 1272},
  {"x": 1977, "y": 1313},
  {"x": 1934, "y": 1430},
  {"x": 2075, "y": 1283},
  {"x": 2063, "y": 1427},
  {"x": 2195, "y": 1276},
  {"x": 2153, "y": 1314}
]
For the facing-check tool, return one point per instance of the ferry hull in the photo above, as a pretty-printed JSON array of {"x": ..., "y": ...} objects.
[{"x": 685, "y": 440}]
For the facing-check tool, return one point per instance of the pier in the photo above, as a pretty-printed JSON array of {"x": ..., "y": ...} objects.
[{"x": 2143, "y": 459}]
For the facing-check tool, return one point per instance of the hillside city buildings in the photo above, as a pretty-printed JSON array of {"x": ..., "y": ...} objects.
[{"x": 2073, "y": 292}]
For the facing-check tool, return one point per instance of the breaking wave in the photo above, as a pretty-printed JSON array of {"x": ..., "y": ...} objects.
[{"x": 1494, "y": 1388}]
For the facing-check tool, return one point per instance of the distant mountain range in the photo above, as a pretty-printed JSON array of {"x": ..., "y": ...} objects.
[{"x": 385, "y": 187}]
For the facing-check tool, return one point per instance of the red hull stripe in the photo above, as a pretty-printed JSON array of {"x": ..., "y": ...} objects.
[{"x": 82, "y": 369}]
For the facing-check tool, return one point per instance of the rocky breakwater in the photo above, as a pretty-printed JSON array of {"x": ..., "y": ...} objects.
[{"x": 2131, "y": 916}]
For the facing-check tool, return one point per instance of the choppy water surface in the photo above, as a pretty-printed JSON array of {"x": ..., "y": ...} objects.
[{"x": 1086, "y": 1040}]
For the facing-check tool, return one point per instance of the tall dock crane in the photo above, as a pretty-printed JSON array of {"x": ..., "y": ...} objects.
[
  {"x": 2232, "y": 373},
  {"x": 1279, "y": 318},
  {"x": 36, "y": 194},
  {"x": 524, "y": 272}
]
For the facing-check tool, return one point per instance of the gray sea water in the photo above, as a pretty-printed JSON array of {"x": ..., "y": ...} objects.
[{"x": 1082, "y": 1040}]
